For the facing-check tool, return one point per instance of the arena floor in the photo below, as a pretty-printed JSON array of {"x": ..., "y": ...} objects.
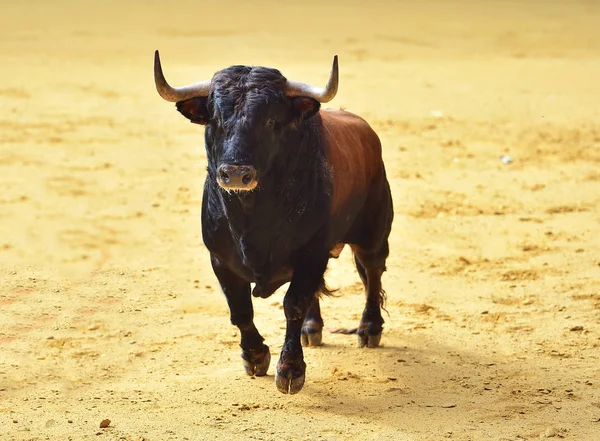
[{"x": 489, "y": 113}]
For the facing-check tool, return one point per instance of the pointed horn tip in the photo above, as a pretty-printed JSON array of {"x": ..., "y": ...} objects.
[{"x": 335, "y": 68}]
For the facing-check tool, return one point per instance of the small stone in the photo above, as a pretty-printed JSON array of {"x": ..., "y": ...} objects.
[
  {"x": 576, "y": 328},
  {"x": 104, "y": 424}
]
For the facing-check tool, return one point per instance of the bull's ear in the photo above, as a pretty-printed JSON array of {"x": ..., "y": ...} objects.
[
  {"x": 303, "y": 108},
  {"x": 195, "y": 109}
]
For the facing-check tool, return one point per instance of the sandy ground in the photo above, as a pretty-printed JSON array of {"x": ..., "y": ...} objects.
[{"x": 108, "y": 306}]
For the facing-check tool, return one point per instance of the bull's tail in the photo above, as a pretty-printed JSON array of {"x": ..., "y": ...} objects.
[
  {"x": 383, "y": 300},
  {"x": 344, "y": 331},
  {"x": 324, "y": 290}
]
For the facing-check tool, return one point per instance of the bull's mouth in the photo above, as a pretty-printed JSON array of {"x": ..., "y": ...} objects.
[
  {"x": 237, "y": 178},
  {"x": 236, "y": 189}
]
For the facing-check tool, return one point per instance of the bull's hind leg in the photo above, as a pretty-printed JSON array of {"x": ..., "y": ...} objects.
[
  {"x": 312, "y": 329},
  {"x": 255, "y": 355},
  {"x": 370, "y": 266},
  {"x": 371, "y": 250}
]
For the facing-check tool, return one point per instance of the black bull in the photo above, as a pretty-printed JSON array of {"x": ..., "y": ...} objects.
[{"x": 288, "y": 184}]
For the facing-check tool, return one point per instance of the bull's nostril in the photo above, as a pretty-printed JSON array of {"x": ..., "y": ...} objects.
[
  {"x": 246, "y": 178},
  {"x": 224, "y": 176}
]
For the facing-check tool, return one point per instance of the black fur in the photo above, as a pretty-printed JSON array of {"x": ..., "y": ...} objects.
[{"x": 283, "y": 230}]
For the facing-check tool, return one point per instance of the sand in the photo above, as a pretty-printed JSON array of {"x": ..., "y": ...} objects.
[{"x": 489, "y": 114}]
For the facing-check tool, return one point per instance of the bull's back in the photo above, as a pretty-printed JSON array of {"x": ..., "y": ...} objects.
[{"x": 353, "y": 151}]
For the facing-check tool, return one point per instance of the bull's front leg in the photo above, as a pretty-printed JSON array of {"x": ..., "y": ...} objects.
[
  {"x": 255, "y": 355},
  {"x": 306, "y": 280}
]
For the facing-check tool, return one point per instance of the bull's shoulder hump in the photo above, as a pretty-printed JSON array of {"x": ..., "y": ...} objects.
[
  {"x": 337, "y": 123},
  {"x": 343, "y": 116}
]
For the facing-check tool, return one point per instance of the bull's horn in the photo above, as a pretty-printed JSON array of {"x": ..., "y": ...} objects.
[
  {"x": 297, "y": 88},
  {"x": 175, "y": 94}
]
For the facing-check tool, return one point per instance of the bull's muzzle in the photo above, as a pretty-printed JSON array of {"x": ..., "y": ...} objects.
[{"x": 237, "y": 177}]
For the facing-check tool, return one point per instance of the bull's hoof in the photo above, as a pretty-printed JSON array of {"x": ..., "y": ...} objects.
[
  {"x": 369, "y": 340},
  {"x": 257, "y": 364},
  {"x": 312, "y": 334},
  {"x": 315, "y": 339},
  {"x": 289, "y": 380},
  {"x": 288, "y": 385}
]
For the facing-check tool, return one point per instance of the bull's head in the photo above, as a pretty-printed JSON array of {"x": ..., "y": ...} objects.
[{"x": 248, "y": 113}]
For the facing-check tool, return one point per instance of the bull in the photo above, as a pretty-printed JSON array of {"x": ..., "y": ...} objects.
[{"x": 288, "y": 185}]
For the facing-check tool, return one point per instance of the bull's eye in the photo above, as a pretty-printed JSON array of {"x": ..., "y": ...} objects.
[{"x": 270, "y": 123}]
